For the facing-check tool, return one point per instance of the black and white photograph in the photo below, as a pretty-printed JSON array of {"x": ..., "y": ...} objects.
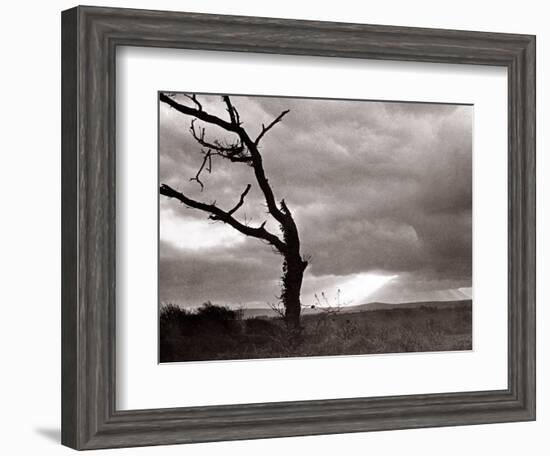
[{"x": 294, "y": 227}]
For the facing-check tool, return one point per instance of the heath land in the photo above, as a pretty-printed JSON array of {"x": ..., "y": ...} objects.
[{"x": 214, "y": 332}]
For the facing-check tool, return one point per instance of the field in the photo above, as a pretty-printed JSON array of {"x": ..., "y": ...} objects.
[{"x": 218, "y": 333}]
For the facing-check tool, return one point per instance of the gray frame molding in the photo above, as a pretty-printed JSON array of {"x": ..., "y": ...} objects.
[{"x": 89, "y": 39}]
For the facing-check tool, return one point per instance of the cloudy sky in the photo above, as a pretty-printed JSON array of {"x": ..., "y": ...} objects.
[{"x": 381, "y": 193}]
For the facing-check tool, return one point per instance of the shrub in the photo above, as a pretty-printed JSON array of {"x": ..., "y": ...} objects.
[{"x": 211, "y": 312}]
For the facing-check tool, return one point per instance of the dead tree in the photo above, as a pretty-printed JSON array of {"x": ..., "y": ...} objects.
[{"x": 246, "y": 150}]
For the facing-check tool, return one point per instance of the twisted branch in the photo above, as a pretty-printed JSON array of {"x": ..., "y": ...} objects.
[
  {"x": 241, "y": 201},
  {"x": 207, "y": 159},
  {"x": 193, "y": 98},
  {"x": 233, "y": 152},
  {"x": 219, "y": 214},
  {"x": 270, "y": 126},
  {"x": 245, "y": 151}
]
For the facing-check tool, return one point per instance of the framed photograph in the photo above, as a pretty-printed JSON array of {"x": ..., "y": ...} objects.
[{"x": 280, "y": 228}]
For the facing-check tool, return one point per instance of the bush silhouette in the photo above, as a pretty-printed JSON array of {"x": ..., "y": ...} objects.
[
  {"x": 195, "y": 334},
  {"x": 210, "y": 312},
  {"x": 189, "y": 322}
]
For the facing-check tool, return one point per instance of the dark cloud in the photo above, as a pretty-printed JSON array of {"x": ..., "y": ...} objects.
[{"x": 374, "y": 186}]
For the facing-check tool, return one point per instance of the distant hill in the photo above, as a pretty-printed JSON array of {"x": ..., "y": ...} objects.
[
  {"x": 408, "y": 305},
  {"x": 367, "y": 307}
]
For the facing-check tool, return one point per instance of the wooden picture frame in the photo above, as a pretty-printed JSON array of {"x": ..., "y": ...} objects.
[{"x": 90, "y": 36}]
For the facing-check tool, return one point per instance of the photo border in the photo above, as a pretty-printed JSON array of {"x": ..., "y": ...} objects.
[{"x": 90, "y": 36}]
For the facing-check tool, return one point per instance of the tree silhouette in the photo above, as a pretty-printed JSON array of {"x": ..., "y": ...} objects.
[{"x": 245, "y": 150}]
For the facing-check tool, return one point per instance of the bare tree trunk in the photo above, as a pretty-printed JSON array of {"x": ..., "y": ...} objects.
[
  {"x": 293, "y": 271},
  {"x": 293, "y": 274}
]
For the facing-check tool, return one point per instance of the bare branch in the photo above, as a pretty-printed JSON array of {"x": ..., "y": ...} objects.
[
  {"x": 201, "y": 115},
  {"x": 206, "y": 159},
  {"x": 253, "y": 157},
  {"x": 263, "y": 183},
  {"x": 234, "y": 152},
  {"x": 241, "y": 201},
  {"x": 270, "y": 126},
  {"x": 233, "y": 113},
  {"x": 284, "y": 207},
  {"x": 278, "y": 308},
  {"x": 193, "y": 98},
  {"x": 219, "y": 214}
]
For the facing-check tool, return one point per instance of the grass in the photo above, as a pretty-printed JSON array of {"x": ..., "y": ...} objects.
[{"x": 218, "y": 333}]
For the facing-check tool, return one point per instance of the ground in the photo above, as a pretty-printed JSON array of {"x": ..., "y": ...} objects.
[{"x": 217, "y": 333}]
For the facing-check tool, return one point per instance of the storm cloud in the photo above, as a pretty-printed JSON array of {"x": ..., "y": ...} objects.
[{"x": 378, "y": 189}]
